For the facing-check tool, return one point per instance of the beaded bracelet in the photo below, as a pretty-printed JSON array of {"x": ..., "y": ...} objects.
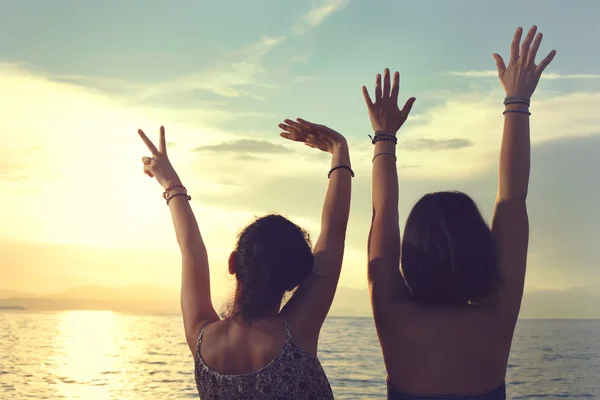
[
  {"x": 516, "y": 111},
  {"x": 383, "y": 136},
  {"x": 338, "y": 167}
]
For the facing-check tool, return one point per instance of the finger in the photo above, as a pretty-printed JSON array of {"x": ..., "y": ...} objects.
[
  {"x": 296, "y": 125},
  {"x": 162, "y": 145},
  {"x": 386, "y": 84},
  {"x": 288, "y": 128},
  {"x": 368, "y": 100},
  {"x": 310, "y": 145},
  {"x": 500, "y": 65},
  {"x": 534, "y": 49},
  {"x": 295, "y": 137},
  {"x": 311, "y": 125},
  {"x": 408, "y": 106},
  {"x": 527, "y": 43},
  {"x": 377, "y": 87},
  {"x": 514, "y": 47},
  {"x": 148, "y": 142},
  {"x": 395, "y": 87},
  {"x": 544, "y": 63},
  {"x": 146, "y": 160},
  {"x": 147, "y": 172}
]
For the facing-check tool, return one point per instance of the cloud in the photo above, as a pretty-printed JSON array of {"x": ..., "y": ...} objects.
[
  {"x": 304, "y": 79},
  {"x": 494, "y": 74},
  {"x": 233, "y": 77},
  {"x": 228, "y": 190},
  {"x": 432, "y": 144},
  {"x": 318, "y": 14},
  {"x": 244, "y": 146},
  {"x": 301, "y": 58},
  {"x": 248, "y": 157}
]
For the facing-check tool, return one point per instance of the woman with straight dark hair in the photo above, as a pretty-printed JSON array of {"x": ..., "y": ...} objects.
[
  {"x": 446, "y": 318},
  {"x": 261, "y": 351}
]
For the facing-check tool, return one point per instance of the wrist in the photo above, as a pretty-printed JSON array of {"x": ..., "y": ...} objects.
[
  {"x": 517, "y": 106},
  {"x": 339, "y": 147},
  {"x": 386, "y": 146},
  {"x": 389, "y": 132},
  {"x": 170, "y": 183}
]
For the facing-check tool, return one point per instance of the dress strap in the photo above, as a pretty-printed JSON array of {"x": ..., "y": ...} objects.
[
  {"x": 199, "y": 342},
  {"x": 288, "y": 330},
  {"x": 201, "y": 335}
]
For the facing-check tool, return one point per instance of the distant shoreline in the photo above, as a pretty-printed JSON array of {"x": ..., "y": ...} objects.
[{"x": 173, "y": 314}]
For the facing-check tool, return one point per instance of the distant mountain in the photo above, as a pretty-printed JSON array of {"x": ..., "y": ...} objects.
[
  {"x": 348, "y": 302},
  {"x": 9, "y": 294},
  {"x": 127, "y": 293},
  {"x": 580, "y": 302}
]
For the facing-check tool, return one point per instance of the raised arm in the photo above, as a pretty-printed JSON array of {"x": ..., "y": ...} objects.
[
  {"x": 510, "y": 224},
  {"x": 385, "y": 281},
  {"x": 311, "y": 302},
  {"x": 196, "y": 303}
]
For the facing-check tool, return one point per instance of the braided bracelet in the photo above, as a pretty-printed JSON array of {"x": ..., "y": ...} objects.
[
  {"x": 338, "y": 167},
  {"x": 166, "y": 192},
  {"x": 516, "y": 100},
  {"x": 516, "y": 111},
  {"x": 178, "y": 194},
  {"x": 383, "y": 136}
]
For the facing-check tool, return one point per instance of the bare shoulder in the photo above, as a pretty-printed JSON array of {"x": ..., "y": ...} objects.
[
  {"x": 411, "y": 323},
  {"x": 305, "y": 338},
  {"x": 193, "y": 333}
]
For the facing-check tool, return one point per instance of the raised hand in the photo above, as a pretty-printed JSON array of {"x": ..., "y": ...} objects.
[
  {"x": 313, "y": 135},
  {"x": 159, "y": 166},
  {"x": 384, "y": 113},
  {"x": 522, "y": 75}
]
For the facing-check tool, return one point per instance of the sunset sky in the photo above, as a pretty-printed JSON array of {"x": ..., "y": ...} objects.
[{"x": 78, "y": 78}]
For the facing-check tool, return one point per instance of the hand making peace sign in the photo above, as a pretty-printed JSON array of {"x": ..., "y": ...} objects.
[{"x": 159, "y": 166}]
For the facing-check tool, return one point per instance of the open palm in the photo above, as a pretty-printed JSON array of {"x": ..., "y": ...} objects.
[{"x": 313, "y": 135}]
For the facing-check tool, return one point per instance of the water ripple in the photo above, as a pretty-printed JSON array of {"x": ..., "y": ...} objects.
[{"x": 89, "y": 355}]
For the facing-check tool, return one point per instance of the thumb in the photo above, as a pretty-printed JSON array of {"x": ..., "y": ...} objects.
[
  {"x": 499, "y": 64},
  {"x": 408, "y": 106}
]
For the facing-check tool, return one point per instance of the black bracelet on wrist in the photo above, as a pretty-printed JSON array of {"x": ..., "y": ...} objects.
[
  {"x": 516, "y": 111},
  {"x": 338, "y": 167},
  {"x": 383, "y": 136}
]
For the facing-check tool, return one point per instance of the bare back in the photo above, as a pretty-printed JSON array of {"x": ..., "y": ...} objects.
[
  {"x": 450, "y": 350},
  {"x": 233, "y": 349}
]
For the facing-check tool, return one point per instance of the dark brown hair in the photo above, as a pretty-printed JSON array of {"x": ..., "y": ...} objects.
[
  {"x": 273, "y": 257},
  {"x": 448, "y": 252}
]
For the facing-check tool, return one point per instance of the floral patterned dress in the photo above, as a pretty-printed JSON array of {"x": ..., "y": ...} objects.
[{"x": 294, "y": 374}]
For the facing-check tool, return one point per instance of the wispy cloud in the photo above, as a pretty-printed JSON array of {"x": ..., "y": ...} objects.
[
  {"x": 244, "y": 146},
  {"x": 234, "y": 77},
  {"x": 494, "y": 74},
  {"x": 301, "y": 58},
  {"x": 303, "y": 78},
  {"x": 239, "y": 76},
  {"x": 318, "y": 14},
  {"x": 432, "y": 144}
]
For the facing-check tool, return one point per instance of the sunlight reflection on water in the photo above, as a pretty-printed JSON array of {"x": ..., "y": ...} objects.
[{"x": 103, "y": 355}]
